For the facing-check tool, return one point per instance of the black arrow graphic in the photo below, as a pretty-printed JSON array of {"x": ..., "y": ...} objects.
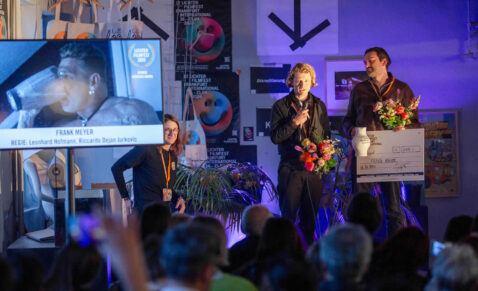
[
  {"x": 148, "y": 22},
  {"x": 295, "y": 35}
]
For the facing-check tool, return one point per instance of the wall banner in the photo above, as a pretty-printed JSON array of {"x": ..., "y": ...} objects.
[{"x": 204, "y": 41}]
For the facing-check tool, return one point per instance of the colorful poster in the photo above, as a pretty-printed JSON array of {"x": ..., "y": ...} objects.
[
  {"x": 248, "y": 133},
  {"x": 216, "y": 101},
  {"x": 204, "y": 42},
  {"x": 441, "y": 153}
]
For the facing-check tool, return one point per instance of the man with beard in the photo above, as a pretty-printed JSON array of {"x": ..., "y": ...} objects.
[{"x": 381, "y": 86}]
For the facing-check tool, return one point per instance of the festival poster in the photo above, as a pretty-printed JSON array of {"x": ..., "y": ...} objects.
[
  {"x": 216, "y": 101},
  {"x": 204, "y": 42},
  {"x": 442, "y": 177},
  {"x": 219, "y": 156}
]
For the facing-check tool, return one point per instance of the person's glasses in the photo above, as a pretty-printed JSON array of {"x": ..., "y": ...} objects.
[{"x": 173, "y": 130}]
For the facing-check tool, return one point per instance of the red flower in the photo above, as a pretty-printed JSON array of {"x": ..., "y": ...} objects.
[
  {"x": 327, "y": 157},
  {"x": 400, "y": 109},
  {"x": 306, "y": 157},
  {"x": 309, "y": 166},
  {"x": 405, "y": 115}
]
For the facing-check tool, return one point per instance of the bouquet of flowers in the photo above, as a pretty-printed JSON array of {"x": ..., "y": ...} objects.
[
  {"x": 393, "y": 114},
  {"x": 318, "y": 157},
  {"x": 251, "y": 179}
]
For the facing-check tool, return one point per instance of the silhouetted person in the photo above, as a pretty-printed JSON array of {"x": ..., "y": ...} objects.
[
  {"x": 455, "y": 268},
  {"x": 346, "y": 252},
  {"x": 6, "y": 275},
  {"x": 155, "y": 219},
  {"x": 396, "y": 262},
  {"x": 189, "y": 255},
  {"x": 286, "y": 274},
  {"x": 474, "y": 226},
  {"x": 458, "y": 227},
  {"x": 253, "y": 220},
  {"x": 75, "y": 268},
  {"x": 152, "y": 249},
  {"x": 222, "y": 281},
  {"x": 364, "y": 209},
  {"x": 28, "y": 272},
  {"x": 178, "y": 218},
  {"x": 279, "y": 238},
  {"x": 472, "y": 241},
  {"x": 313, "y": 259}
]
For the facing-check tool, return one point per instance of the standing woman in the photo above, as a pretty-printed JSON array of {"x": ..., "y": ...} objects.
[{"x": 154, "y": 170}]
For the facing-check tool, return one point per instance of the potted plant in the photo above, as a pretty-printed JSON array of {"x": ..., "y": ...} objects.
[{"x": 224, "y": 191}]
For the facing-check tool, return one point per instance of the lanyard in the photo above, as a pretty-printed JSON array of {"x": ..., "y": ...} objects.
[
  {"x": 380, "y": 97},
  {"x": 306, "y": 132},
  {"x": 168, "y": 173}
]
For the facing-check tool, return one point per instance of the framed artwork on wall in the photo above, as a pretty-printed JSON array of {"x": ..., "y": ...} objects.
[
  {"x": 442, "y": 177},
  {"x": 341, "y": 75}
]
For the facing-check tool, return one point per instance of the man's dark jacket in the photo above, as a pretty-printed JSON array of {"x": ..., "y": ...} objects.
[
  {"x": 363, "y": 98},
  {"x": 286, "y": 134}
]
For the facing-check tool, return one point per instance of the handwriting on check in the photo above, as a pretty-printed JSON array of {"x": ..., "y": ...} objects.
[
  {"x": 406, "y": 149},
  {"x": 382, "y": 161}
]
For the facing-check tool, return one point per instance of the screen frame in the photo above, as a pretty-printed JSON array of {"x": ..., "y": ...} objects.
[{"x": 134, "y": 134}]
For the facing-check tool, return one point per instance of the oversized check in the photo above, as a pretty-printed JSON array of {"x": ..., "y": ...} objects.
[{"x": 393, "y": 156}]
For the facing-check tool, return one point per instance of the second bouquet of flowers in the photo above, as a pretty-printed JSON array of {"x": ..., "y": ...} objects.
[
  {"x": 318, "y": 157},
  {"x": 393, "y": 114}
]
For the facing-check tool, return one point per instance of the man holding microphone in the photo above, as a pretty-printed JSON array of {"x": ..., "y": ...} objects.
[{"x": 295, "y": 117}]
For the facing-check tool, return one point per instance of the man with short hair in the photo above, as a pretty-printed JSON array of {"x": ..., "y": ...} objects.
[
  {"x": 222, "y": 281},
  {"x": 295, "y": 117},
  {"x": 381, "y": 86},
  {"x": 253, "y": 219},
  {"x": 84, "y": 94},
  {"x": 189, "y": 254},
  {"x": 346, "y": 251}
]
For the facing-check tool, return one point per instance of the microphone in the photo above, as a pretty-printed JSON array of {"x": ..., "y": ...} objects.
[{"x": 304, "y": 106}]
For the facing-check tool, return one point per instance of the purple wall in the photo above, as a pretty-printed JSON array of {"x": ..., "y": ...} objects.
[{"x": 426, "y": 41}]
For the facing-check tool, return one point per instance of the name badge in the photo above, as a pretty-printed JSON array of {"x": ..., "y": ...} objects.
[{"x": 167, "y": 194}]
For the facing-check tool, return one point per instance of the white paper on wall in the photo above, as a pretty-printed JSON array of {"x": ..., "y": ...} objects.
[{"x": 318, "y": 27}]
